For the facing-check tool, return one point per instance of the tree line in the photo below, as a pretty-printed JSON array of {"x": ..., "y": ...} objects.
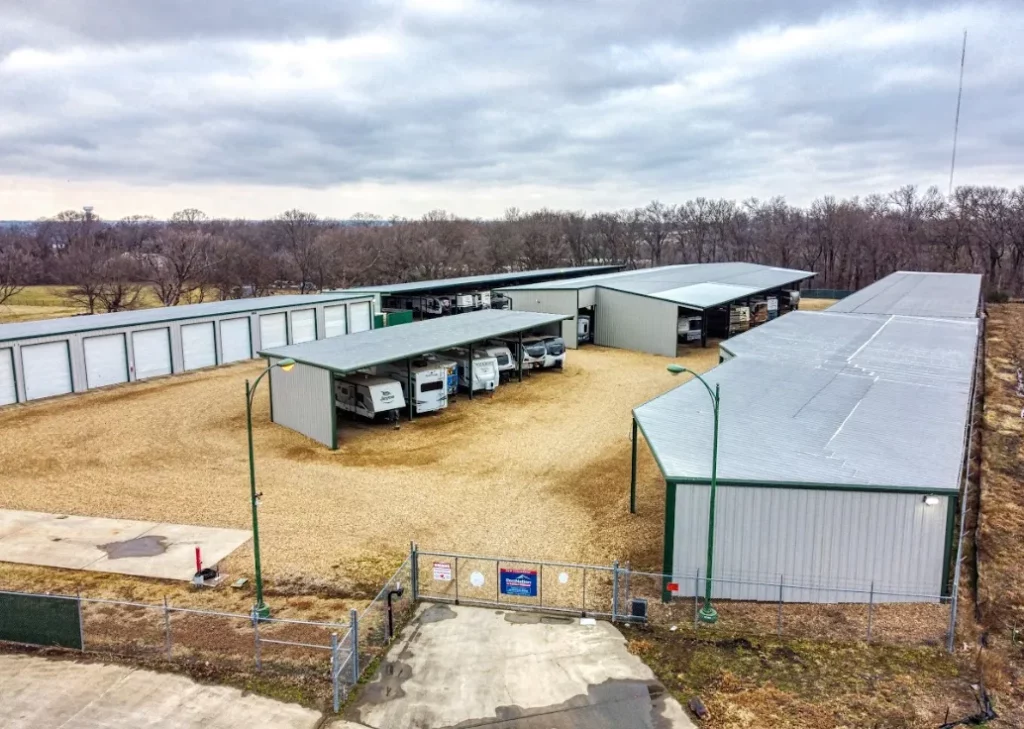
[{"x": 112, "y": 265}]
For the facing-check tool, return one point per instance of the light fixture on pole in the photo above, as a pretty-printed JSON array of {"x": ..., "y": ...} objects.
[
  {"x": 707, "y": 613},
  {"x": 260, "y": 610}
]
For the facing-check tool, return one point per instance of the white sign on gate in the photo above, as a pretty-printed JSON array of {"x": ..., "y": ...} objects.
[{"x": 443, "y": 571}]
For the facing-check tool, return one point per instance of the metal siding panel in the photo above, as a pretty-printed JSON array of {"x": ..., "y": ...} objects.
[
  {"x": 334, "y": 321},
  {"x": 273, "y": 330},
  {"x": 235, "y": 340},
  {"x": 550, "y": 301},
  {"x": 198, "y": 345},
  {"x": 47, "y": 369},
  {"x": 360, "y": 317},
  {"x": 106, "y": 360},
  {"x": 630, "y": 321},
  {"x": 587, "y": 297},
  {"x": 303, "y": 327},
  {"x": 8, "y": 387},
  {"x": 302, "y": 400},
  {"x": 152, "y": 351}
]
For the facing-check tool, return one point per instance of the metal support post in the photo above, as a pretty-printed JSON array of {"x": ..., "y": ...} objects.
[
  {"x": 334, "y": 672},
  {"x": 456, "y": 580},
  {"x": 615, "y": 590},
  {"x": 584, "y": 592},
  {"x": 696, "y": 599},
  {"x": 629, "y": 592},
  {"x": 470, "y": 375},
  {"x": 520, "y": 355},
  {"x": 632, "y": 474},
  {"x": 871, "y": 608},
  {"x": 412, "y": 389},
  {"x": 414, "y": 565},
  {"x": 81, "y": 623},
  {"x": 353, "y": 617},
  {"x": 256, "y": 639},
  {"x": 778, "y": 621},
  {"x": 540, "y": 584},
  {"x": 167, "y": 629}
]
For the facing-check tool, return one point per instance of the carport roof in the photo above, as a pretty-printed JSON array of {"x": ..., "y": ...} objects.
[
  {"x": 911, "y": 293},
  {"x": 696, "y": 285},
  {"x": 823, "y": 399},
  {"x": 378, "y": 346},
  {"x": 489, "y": 279},
  {"x": 161, "y": 314}
]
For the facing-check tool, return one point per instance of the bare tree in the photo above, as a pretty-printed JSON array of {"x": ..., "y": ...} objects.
[
  {"x": 17, "y": 265},
  {"x": 179, "y": 267}
]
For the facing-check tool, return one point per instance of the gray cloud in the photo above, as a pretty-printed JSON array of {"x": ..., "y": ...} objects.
[{"x": 795, "y": 98}]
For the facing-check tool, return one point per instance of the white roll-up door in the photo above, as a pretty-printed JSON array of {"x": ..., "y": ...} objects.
[
  {"x": 360, "y": 319},
  {"x": 198, "y": 345},
  {"x": 8, "y": 390},
  {"x": 47, "y": 369},
  {"x": 236, "y": 342},
  {"x": 334, "y": 321},
  {"x": 106, "y": 360},
  {"x": 152, "y": 350},
  {"x": 303, "y": 326},
  {"x": 273, "y": 331}
]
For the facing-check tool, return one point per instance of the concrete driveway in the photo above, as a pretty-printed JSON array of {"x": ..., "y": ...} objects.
[
  {"x": 457, "y": 667},
  {"x": 37, "y": 692}
]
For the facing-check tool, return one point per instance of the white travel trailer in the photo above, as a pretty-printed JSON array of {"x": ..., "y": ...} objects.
[
  {"x": 554, "y": 352},
  {"x": 485, "y": 369},
  {"x": 429, "y": 384},
  {"x": 689, "y": 328},
  {"x": 451, "y": 369},
  {"x": 464, "y": 302},
  {"x": 583, "y": 334},
  {"x": 369, "y": 396},
  {"x": 506, "y": 362},
  {"x": 482, "y": 299}
]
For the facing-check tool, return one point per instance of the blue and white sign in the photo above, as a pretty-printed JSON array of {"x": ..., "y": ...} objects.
[{"x": 521, "y": 583}]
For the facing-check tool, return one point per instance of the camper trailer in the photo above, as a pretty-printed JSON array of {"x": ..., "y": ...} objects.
[
  {"x": 485, "y": 369},
  {"x": 369, "y": 396},
  {"x": 554, "y": 352},
  {"x": 464, "y": 302},
  {"x": 451, "y": 370},
  {"x": 506, "y": 362},
  {"x": 429, "y": 383},
  {"x": 689, "y": 328},
  {"x": 583, "y": 333}
]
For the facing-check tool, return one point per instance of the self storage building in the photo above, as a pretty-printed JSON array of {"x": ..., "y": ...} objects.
[
  {"x": 303, "y": 398},
  {"x": 72, "y": 354},
  {"x": 840, "y": 453},
  {"x": 641, "y": 309}
]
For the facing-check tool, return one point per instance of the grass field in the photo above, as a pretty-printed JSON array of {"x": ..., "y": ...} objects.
[
  {"x": 539, "y": 470},
  {"x": 816, "y": 304},
  {"x": 50, "y": 302}
]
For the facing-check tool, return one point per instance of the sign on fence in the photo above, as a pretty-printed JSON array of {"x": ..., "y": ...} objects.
[
  {"x": 520, "y": 583},
  {"x": 443, "y": 571}
]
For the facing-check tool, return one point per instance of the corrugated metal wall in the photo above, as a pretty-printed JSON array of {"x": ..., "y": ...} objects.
[
  {"x": 630, "y": 321},
  {"x": 77, "y": 352},
  {"x": 834, "y": 539},
  {"x": 551, "y": 301},
  {"x": 301, "y": 399}
]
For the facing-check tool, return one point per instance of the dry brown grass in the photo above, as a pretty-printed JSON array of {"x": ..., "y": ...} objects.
[
  {"x": 539, "y": 470},
  {"x": 816, "y": 304},
  {"x": 11, "y": 313}
]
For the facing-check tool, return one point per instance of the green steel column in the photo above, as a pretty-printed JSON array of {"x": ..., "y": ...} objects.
[
  {"x": 708, "y": 614},
  {"x": 470, "y": 371},
  {"x": 408, "y": 379},
  {"x": 520, "y": 355},
  {"x": 260, "y": 609},
  {"x": 667, "y": 558},
  {"x": 632, "y": 479}
]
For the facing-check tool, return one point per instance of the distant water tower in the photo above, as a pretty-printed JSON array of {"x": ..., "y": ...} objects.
[{"x": 88, "y": 211}]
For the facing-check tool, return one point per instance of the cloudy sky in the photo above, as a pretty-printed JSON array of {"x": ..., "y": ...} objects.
[{"x": 246, "y": 108}]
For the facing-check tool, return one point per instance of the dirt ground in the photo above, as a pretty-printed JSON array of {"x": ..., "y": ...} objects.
[{"x": 538, "y": 470}]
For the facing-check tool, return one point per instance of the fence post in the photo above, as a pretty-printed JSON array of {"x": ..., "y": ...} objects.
[
  {"x": 629, "y": 591},
  {"x": 353, "y": 616},
  {"x": 81, "y": 622},
  {"x": 696, "y": 592},
  {"x": 778, "y": 625},
  {"x": 414, "y": 563},
  {"x": 584, "y": 591},
  {"x": 334, "y": 672},
  {"x": 615, "y": 590},
  {"x": 950, "y": 636},
  {"x": 456, "y": 580},
  {"x": 256, "y": 639},
  {"x": 167, "y": 629},
  {"x": 871, "y": 607},
  {"x": 540, "y": 583}
]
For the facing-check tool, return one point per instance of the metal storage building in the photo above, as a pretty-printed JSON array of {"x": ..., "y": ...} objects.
[
  {"x": 72, "y": 354},
  {"x": 303, "y": 398},
  {"x": 640, "y": 309},
  {"x": 841, "y": 448}
]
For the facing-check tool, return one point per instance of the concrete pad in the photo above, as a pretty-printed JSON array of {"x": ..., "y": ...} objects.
[
  {"x": 37, "y": 692},
  {"x": 141, "y": 548},
  {"x": 459, "y": 666}
]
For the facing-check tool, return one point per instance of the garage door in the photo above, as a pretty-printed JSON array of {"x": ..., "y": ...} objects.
[
  {"x": 8, "y": 392},
  {"x": 359, "y": 316},
  {"x": 198, "y": 345},
  {"x": 273, "y": 331},
  {"x": 334, "y": 320},
  {"x": 106, "y": 360},
  {"x": 303, "y": 326},
  {"x": 152, "y": 349},
  {"x": 47, "y": 369},
  {"x": 236, "y": 342}
]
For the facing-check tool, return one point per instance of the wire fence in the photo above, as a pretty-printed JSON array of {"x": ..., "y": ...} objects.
[{"x": 750, "y": 606}]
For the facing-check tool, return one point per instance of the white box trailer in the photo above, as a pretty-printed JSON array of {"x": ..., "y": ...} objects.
[
  {"x": 369, "y": 396},
  {"x": 429, "y": 383},
  {"x": 485, "y": 369}
]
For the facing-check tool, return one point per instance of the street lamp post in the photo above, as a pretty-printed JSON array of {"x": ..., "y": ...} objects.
[
  {"x": 708, "y": 614},
  {"x": 260, "y": 610}
]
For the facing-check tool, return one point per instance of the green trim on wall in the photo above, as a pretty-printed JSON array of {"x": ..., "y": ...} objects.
[
  {"x": 947, "y": 554},
  {"x": 669, "y": 542},
  {"x": 334, "y": 411},
  {"x": 866, "y": 488}
]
